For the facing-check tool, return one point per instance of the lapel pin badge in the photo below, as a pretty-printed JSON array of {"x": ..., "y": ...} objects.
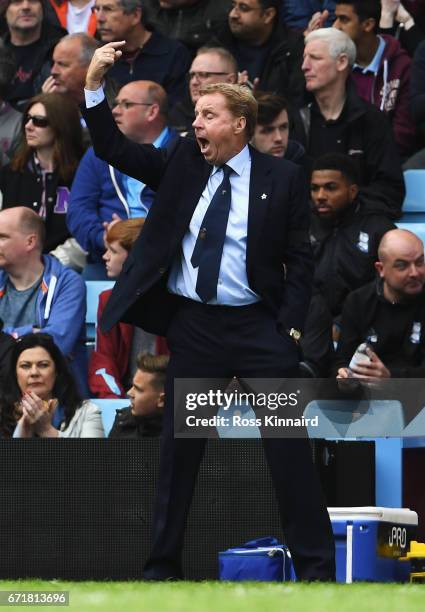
[{"x": 264, "y": 196}]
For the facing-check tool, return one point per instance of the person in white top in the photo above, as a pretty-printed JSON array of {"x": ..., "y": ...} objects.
[{"x": 42, "y": 395}]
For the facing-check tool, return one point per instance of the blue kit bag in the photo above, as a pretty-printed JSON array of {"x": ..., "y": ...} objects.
[{"x": 263, "y": 560}]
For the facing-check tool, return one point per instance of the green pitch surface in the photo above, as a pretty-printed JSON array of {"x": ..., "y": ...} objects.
[{"x": 227, "y": 597}]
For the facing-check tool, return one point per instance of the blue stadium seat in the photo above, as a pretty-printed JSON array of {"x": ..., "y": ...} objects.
[
  {"x": 414, "y": 202},
  {"x": 108, "y": 408},
  {"x": 94, "y": 288}
]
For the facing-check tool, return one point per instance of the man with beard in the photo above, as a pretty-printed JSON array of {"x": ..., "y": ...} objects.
[
  {"x": 344, "y": 235},
  {"x": 31, "y": 39},
  {"x": 388, "y": 314}
]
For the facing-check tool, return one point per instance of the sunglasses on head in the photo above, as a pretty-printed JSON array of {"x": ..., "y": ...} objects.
[{"x": 37, "y": 120}]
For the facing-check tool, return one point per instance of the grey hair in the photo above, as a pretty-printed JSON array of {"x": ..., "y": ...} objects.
[
  {"x": 339, "y": 43},
  {"x": 88, "y": 46}
]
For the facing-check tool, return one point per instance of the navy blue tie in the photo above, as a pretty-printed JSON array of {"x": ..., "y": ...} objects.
[{"x": 209, "y": 244}]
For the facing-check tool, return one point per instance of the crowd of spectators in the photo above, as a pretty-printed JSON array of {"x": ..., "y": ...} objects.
[{"x": 340, "y": 87}]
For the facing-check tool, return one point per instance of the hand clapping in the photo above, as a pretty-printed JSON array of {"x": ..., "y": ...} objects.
[{"x": 37, "y": 412}]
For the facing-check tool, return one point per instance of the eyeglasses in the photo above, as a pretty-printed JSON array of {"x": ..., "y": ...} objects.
[
  {"x": 125, "y": 104},
  {"x": 37, "y": 120},
  {"x": 244, "y": 8},
  {"x": 202, "y": 76}
]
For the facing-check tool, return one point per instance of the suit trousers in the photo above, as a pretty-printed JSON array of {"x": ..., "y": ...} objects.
[{"x": 222, "y": 342}]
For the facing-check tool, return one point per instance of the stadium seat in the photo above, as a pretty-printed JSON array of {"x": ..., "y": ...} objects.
[
  {"x": 108, "y": 408},
  {"x": 94, "y": 288},
  {"x": 414, "y": 202}
]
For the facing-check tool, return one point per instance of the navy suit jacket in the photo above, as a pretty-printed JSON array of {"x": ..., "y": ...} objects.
[{"x": 278, "y": 258}]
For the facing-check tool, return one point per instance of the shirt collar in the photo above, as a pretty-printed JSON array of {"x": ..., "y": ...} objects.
[
  {"x": 160, "y": 139},
  {"x": 238, "y": 162},
  {"x": 376, "y": 61}
]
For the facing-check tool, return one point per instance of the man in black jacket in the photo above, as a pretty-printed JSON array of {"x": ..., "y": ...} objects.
[
  {"x": 143, "y": 418},
  {"x": 344, "y": 235},
  {"x": 32, "y": 40},
  {"x": 267, "y": 52},
  {"x": 389, "y": 315},
  {"x": 338, "y": 121}
]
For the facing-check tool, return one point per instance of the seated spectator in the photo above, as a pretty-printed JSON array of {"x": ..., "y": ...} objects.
[
  {"x": 381, "y": 73},
  {"x": 31, "y": 38},
  {"x": 389, "y": 314},
  {"x": 100, "y": 193},
  {"x": 71, "y": 59},
  {"x": 344, "y": 235},
  {"x": 41, "y": 172},
  {"x": 394, "y": 20},
  {"x": 338, "y": 121},
  {"x": 37, "y": 292},
  {"x": 146, "y": 55},
  {"x": 192, "y": 22},
  {"x": 10, "y": 118},
  {"x": 112, "y": 363},
  {"x": 267, "y": 52},
  {"x": 210, "y": 65},
  {"x": 41, "y": 398},
  {"x": 143, "y": 418},
  {"x": 75, "y": 15},
  {"x": 272, "y": 130}
]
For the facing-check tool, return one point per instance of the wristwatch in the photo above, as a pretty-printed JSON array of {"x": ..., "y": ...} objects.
[{"x": 294, "y": 333}]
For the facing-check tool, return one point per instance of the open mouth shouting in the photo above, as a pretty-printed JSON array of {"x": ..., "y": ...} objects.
[{"x": 203, "y": 144}]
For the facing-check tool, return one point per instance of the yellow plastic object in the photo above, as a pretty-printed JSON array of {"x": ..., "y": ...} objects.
[{"x": 416, "y": 555}]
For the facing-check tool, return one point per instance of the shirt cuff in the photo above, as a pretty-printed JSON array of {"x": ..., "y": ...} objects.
[{"x": 93, "y": 98}]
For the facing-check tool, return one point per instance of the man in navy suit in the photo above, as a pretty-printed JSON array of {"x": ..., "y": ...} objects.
[{"x": 237, "y": 310}]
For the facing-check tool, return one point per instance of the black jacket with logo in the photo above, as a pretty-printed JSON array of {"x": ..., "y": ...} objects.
[
  {"x": 345, "y": 251},
  {"x": 396, "y": 332}
]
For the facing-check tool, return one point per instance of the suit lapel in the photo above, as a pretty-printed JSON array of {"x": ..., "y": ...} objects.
[
  {"x": 194, "y": 178},
  {"x": 260, "y": 194}
]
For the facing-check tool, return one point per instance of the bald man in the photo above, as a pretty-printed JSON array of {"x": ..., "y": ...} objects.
[
  {"x": 100, "y": 193},
  {"x": 71, "y": 59},
  {"x": 388, "y": 314},
  {"x": 37, "y": 293}
]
